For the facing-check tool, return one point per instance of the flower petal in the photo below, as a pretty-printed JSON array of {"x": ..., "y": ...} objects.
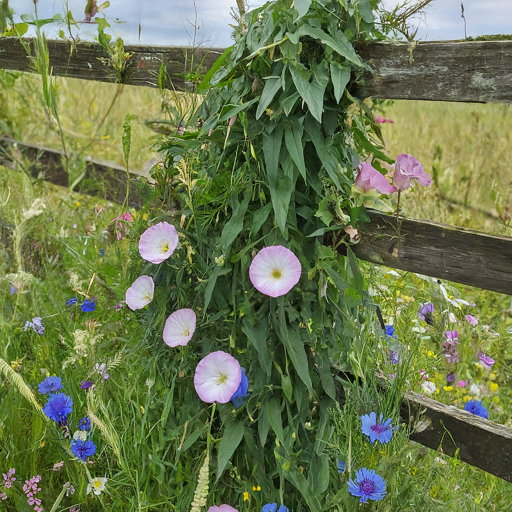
[
  {"x": 158, "y": 242},
  {"x": 275, "y": 271},
  {"x": 179, "y": 327},
  {"x": 217, "y": 377},
  {"x": 140, "y": 293}
]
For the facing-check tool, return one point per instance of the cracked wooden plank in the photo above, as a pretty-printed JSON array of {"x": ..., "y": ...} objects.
[
  {"x": 438, "y": 250},
  {"x": 445, "y": 428},
  {"x": 468, "y": 71}
]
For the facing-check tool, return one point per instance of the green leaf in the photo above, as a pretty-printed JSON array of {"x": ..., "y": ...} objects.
[
  {"x": 217, "y": 271},
  {"x": 233, "y": 434},
  {"x": 28, "y": 18},
  {"x": 263, "y": 425},
  {"x": 338, "y": 281},
  {"x": 318, "y": 478},
  {"x": 340, "y": 76},
  {"x": 324, "y": 369},
  {"x": 302, "y": 7},
  {"x": 236, "y": 222},
  {"x": 323, "y": 212},
  {"x": 271, "y": 149},
  {"x": 274, "y": 415},
  {"x": 232, "y": 110},
  {"x": 286, "y": 382},
  {"x": 206, "y": 81},
  {"x": 127, "y": 137},
  {"x": 341, "y": 44},
  {"x": 365, "y": 10},
  {"x": 311, "y": 87},
  {"x": 258, "y": 337},
  {"x": 281, "y": 197},
  {"x": 293, "y": 141},
  {"x": 272, "y": 85},
  {"x": 322, "y": 231}
]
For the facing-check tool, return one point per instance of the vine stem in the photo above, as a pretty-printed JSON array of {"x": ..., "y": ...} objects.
[
  {"x": 210, "y": 427},
  {"x": 398, "y": 206}
]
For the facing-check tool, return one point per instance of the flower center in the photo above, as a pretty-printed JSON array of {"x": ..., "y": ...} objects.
[
  {"x": 147, "y": 296},
  {"x": 378, "y": 428},
  {"x": 97, "y": 484},
  {"x": 276, "y": 274},
  {"x": 222, "y": 378},
  {"x": 367, "y": 487},
  {"x": 165, "y": 248},
  {"x": 186, "y": 332}
]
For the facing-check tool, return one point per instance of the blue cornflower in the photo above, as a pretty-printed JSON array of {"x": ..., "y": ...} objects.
[
  {"x": 475, "y": 407},
  {"x": 341, "y": 466},
  {"x": 377, "y": 430},
  {"x": 86, "y": 384},
  {"x": 82, "y": 450},
  {"x": 71, "y": 302},
  {"x": 390, "y": 331},
  {"x": 50, "y": 385},
  {"x": 88, "y": 306},
  {"x": 394, "y": 357},
  {"x": 36, "y": 324},
  {"x": 240, "y": 395},
  {"x": 102, "y": 252},
  {"x": 272, "y": 507},
  {"x": 58, "y": 407},
  {"x": 368, "y": 486},
  {"x": 85, "y": 423}
]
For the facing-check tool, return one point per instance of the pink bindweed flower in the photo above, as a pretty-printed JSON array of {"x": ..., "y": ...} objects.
[
  {"x": 383, "y": 120},
  {"x": 275, "y": 270},
  {"x": 472, "y": 320},
  {"x": 158, "y": 242},
  {"x": 222, "y": 508},
  {"x": 179, "y": 327},
  {"x": 217, "y": 377},
  {"x": 369, "y": 178},
  {"x": 462, "y": 383},
  {"x": 486, "y": 361},
  {"x": 408, "y": 169},
  {"x": 140, "y": 293}
]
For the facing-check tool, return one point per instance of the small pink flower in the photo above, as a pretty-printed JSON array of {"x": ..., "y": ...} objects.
[
  {"x": 452, "y": 335},
  {"x": 472, "y": 320},
  {"x": 382, "y": 120},
  {"x": 408, "y": 169},
  {"x": 486, "y": 361},
  {"x": 275, "y": 270},
  {"x": 222, "y": 508},
  {"x": 369, "y": 178},
  {"x": 462, "y": 383},
  {"x": 158, "y": 242},
  {"x": 179, "y": 327},
  {"x": 217, "y": 377},
  {"x": 140, "y": 293}
]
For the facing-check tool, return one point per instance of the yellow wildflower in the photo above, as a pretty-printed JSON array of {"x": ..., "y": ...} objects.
[
  {"x": 246, "y": 496},
  {"x": 431, "y": 354},
  {"x": 467, "y": 398},
  {"x": 496, "y": 399},
  {"x": 492, "y": 376},
  {"x": 448, "y": 388},
  {"x": 256, "y": 488},
  {"x": 494, "y": 386}
]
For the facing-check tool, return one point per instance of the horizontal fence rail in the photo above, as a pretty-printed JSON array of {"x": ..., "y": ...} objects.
[{"x": 468, "y": 71}]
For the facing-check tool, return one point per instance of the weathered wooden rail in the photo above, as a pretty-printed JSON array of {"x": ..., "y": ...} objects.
[{"x": 444, "y": 71}]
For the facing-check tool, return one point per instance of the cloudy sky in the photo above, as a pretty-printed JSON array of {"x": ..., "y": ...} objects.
[{"x": 168, "y": 22}]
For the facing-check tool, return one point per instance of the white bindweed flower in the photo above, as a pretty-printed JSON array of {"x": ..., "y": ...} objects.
[
  {"x": 275, "y": 270},
  {"x": 158, "y": 242},
  {"x": 140, "y": 293},
  {"x": 96, "y": 485},
  {"x": 217, "y": 377},
  {"x": 429, "y": 387},
  {"x": 179, "y": 327}
]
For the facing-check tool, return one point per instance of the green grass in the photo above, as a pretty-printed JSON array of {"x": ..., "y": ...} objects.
[{"x": 147, "y": 451}]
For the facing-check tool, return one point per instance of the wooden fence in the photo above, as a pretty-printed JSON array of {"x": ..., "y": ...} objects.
[{"x": 444, "y": 71}]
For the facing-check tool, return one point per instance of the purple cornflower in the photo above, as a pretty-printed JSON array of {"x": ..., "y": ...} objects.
[
  {"x": 425, "y": 313},
  {"x": 71, "y": 302},
  {"x": 475, "y": 407},
  {"x": 240, "y": 395},
  {"x": 367, "y": 486},
  {"x": 36, "y": 324},
  {"x": 86, "y": 384},
  {"x": 451, "y": 355},
  {"x": 452, "y": 335},
  {"x": 82, "y": 450},
  {"x": 58, "y": 407},
  {"x": 102, "y": 370},
  {"x": 394, "y": 357},
  {"x": 88, "y": 306},
  {"x": 377, "y": 430},
  {"x": 450, "y": 377},
  {"x": 85, "y": 423},
  {"x": 486, "y": 361},
  {"x": 50, "y": 385}
]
